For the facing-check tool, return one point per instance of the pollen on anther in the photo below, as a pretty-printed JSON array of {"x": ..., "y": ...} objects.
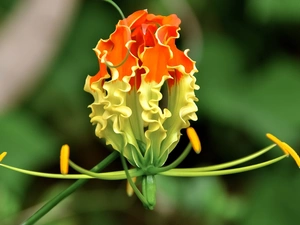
[
  {"x": 278, "y": 142},
  {"x": 292, "y": 152},
  {"x": 64, "y": 159},
  {"x": 194, "y": 139},
  {"x": 2, "y": 155}
]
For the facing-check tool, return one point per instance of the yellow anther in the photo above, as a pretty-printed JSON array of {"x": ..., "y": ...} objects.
[
  {"x": 129, "y": 189},
  {"x": 292, "y": 152},
  {"x": 2, "y": 155},
  {"x": 64, "y": 159},
  {"x": 194, "y": 139},
  {"x": 278, "y": 142}
]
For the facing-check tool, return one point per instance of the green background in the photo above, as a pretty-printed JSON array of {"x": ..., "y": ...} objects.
[{"x": 248, "y": 57}]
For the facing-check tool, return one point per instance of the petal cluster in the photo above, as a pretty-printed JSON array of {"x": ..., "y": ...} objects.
[{"x": 144, "y": 90}]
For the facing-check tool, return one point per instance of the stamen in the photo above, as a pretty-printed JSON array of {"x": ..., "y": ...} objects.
[
  {"x": 194, "y": 139},
  {"x": 188, "y": 173},
  {"x": 228, "y": 164},
  {"x": 2, "y": 155},
  {"x": 116, "y": 175},
  {"x": 278, "y": 142},
  {"x": 129, "y": 189},
  {"x": 64, "y": 159},
  {"x": 47, "y": 175},
  {"x": 292, "y": 152}
]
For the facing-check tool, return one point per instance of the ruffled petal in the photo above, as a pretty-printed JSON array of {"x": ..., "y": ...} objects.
[
  {"x": 136, "y": 64},
  {"x": 135, "y": 19},
  {"x": 183, "y": 108},
  {"x": 167, "y": 35},
  {"x": 153, "y": 116},
  {"x": 121, "y": 43},
  {"x": 172, "y": 19},
  {"x": 155, "y": 61}
]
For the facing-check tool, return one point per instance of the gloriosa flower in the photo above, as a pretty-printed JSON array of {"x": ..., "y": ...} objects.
[
  {"x": 144, "y": 91},
  {"x": 144, "y": 95}
]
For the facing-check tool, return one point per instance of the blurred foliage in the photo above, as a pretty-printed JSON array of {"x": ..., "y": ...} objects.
[{"x": 249, "y": 73}]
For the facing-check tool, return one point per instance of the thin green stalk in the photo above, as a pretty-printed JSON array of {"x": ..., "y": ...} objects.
[
  {"x": 132, "y": 184},
  {"x": 230, "y": 164},
  {"x": 116, "y": 175},
  {"x": 57, "y": 199},
  {"x": 177, "y": 161},
  {"x": 188, "y": 173},
  {"x": 47, "y": 175},
  {"x": 117, "y": 7}
]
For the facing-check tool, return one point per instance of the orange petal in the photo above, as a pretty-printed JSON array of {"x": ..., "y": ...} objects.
[
  {"x": 156, "y": 59},
  {"x": 103, "y": 45},
  {"x": 120, "y": 38},
  {"x": 102, "y": 73},
  {"x": 136, "y": 80},
  {"x": 167, "y": 35},
  {"x": 102, "y": 48},
  {"x": 135, "y": 19},
  {"x": 176, "y": 75},
  {"x": 172, "y": 19}
]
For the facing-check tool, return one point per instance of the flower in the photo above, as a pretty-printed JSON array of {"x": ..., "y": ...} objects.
[
  {"x": 144, "y": 95},
  {"x": 145, "y": 89}
]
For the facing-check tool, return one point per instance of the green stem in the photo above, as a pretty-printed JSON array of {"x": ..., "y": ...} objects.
[
  {"x": 176, "y": 162},
  {"x": 117, "y": 8},
  {"x": 132, "y": 184},
  {"x": 53, "y": 202},
  {"x": 116, "y": 175}
]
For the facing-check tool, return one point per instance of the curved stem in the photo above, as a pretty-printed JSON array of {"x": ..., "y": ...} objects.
[
  {"x": 117, "y": 7},
  {"x": 128, "y": 51},
  {"x": 177, "y": 161},
  {"x": 57, "y": 199},
  {"x": 188, "y": 173},
  {"x": 47, "y": 175},
  {"x": 230, "y": 164},
  {"x": 132, "y": 184}
]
